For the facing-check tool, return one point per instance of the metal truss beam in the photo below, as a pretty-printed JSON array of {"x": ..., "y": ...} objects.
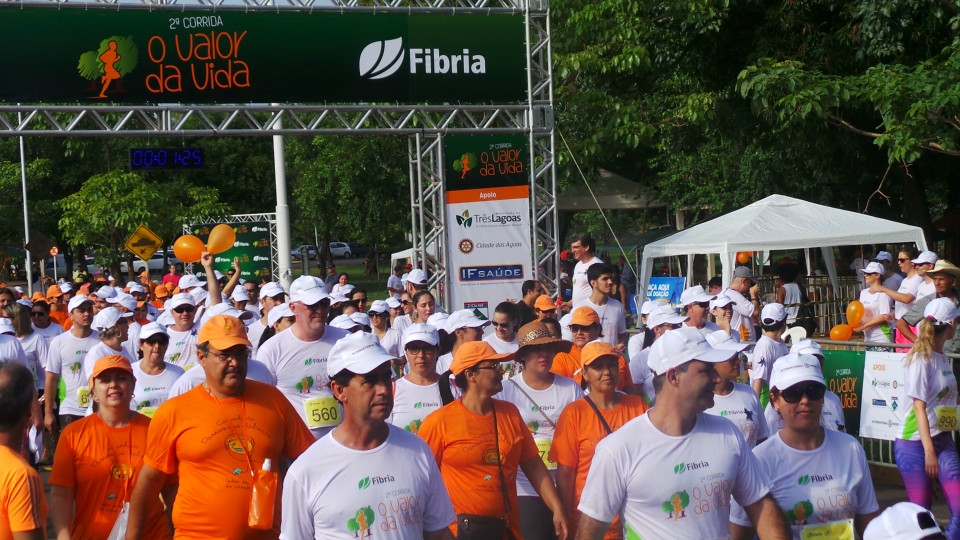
[{"x": 380, "y": 6}]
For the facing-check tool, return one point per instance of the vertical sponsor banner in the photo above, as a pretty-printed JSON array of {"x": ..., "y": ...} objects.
[
  {"x": 252, "y": 248},
  {"x": 488, "y": 219},
  {"x": 843, "y": 371},
  {"x": 885, "y": 403}
]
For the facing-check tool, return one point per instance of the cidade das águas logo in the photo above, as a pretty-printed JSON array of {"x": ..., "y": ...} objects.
[{"x": 382, "y": 59}]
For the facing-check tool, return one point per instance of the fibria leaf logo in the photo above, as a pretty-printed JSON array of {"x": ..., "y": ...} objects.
[
  {"x": 803, "y": 480},
  {"x": 464, "y": 219},
  {"x": 381, "y": 59},
  {"x": 680, "y": 469},
  {"x": 418, "y": 405},
  {"x": 364, "y": 484}
]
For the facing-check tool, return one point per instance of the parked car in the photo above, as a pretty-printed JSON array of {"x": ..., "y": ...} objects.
[
  {"x": 340, "y": 249},
  {"x": 155, "y": 264},
  {"x": 358, "y": 250},
  {"x": 311, "y": 251}
]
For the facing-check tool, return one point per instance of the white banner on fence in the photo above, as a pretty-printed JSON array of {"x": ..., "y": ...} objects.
[{"x": 884, "y": 405}]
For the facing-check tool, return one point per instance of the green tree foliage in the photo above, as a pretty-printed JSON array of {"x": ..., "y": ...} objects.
[{"x": 90, "y": 67}]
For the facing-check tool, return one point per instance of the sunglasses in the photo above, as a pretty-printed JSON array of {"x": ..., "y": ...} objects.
[
  {"x": 795, "y": 393},
  {"x": 899, "y": 260},
  {"x": 323, "y": 304},
  {"x": 37, "y": 313},
  {"x": 184, "y": 309},
  {"x": 377, "y": 314},
  {"x": 580, "y": 328},
  {"x": 496, "y": 324},
  {"x": 405, "y": 302},
  {"x": 364, "y": 299}
]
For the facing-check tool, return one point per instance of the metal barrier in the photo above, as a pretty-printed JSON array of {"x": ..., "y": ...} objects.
[{"x": 829, "y": 308}]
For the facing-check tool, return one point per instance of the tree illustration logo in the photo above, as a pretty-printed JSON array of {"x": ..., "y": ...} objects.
[
  {"x": 361, "y": 523},
  {"x": 414, "y": 426},
  {"x": 108, "y": 64},
  {"x": 305, "y": 385},
  {"x": 465, "y": 164},
  {"x": 800, "y": 513},
  {"x": 675, "y": 508}
]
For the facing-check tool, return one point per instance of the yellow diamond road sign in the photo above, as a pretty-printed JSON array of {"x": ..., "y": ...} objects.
[{"x": 143, "y": 243}]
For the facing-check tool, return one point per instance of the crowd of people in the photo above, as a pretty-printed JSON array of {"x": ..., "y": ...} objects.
[{"x": 168, "y": 409}]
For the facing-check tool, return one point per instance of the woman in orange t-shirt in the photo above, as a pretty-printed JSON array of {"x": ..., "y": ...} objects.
[
  {"x": 98, "y": 460},
  {"x": 580, "y": 428},
  {"x": 461, "y": 436}
]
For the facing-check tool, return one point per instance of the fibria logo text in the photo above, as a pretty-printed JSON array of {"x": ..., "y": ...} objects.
[{"x": 382, "y": 59}]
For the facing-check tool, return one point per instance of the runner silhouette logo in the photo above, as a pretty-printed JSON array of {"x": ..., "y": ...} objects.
[{"x": 381, "y": 59}]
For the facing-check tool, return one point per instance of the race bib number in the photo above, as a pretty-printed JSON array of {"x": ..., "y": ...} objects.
[
  {"x": 83, "y": 396},
  {"x": 543, "y": 445},
  {"x": 148, "y": 411},
  {"x": 835, "y": 530},
  {"x": 322, "y": 412},
  {"x": 947, "y": 418}
]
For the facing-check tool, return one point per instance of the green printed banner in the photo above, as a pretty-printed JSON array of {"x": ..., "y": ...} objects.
[
  {"x": 843, "y": 371},
  {"x": 252, "y": 248},
  {"x": 64, "y": 54}
]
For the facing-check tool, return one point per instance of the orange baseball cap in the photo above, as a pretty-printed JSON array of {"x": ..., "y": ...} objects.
[
  {"x": 161, "y": 292},
  {"x": 223, "y": 332},
  {"x": 596, "y": 350},
  {"x": 38, "y": 297},
  {"x": 544, "y": 303},
  {"x": 54, "y": 291},
  {"x": 472, "y": 353},
  {"x": 113, "y": 361},
  {"x": 584, "y": 316}
]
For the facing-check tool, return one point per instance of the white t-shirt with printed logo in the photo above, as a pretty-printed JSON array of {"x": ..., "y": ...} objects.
[
  {"x": 876, "y": 304},
  {"x": 394, "y": 491},
  {"x": 933, "y": 382},
  {"x": 151, "y": 391},
  {"x": 742, "y": 407},
  {"x": 182, "y": 350},
  {"x": 612, "y": 321},
  {"x": 65, "y": 358},
  {"x": 909, "y": 285},
  {"x": 814, "y": 487},
  {"x": 672, "y": 487},
  {"x": 765, "y": 353},
  {"x": 300, "y": 368},
  {"x": 551, "y": 401},
  {"x": 831, "y": 417},
  {"x": 581, "y": 287},
  {"x": 412, "y": 403}
]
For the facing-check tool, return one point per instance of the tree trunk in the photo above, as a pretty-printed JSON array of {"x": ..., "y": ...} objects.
[{"x": 370, "y": 261}]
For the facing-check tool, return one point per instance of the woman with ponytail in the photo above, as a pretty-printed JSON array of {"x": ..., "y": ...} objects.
[{"x": 925, "y": 451}]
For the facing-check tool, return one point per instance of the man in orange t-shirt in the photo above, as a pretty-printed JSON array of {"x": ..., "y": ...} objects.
[
  {"x": 58, "y": 308},
  {"x": 579, "y": 428},
  {"x": 214, "y": 437},
  {"x": 585, "y": 325},
  {"x": 23, "y": 508}
]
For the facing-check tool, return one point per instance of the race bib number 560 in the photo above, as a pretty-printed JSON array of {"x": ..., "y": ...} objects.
[{"x": 322, "y": 412}]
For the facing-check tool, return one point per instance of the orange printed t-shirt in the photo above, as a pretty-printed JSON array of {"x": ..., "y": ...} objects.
[
  {"x": 207, "y": 441},
  {"x": 101, "y": 464},
  {"x": 575, "y": 440},
  {"x": 59, "y": 317},
  {"x": 568, "y": 365},
  {"x": 23, "y": 507},
  {"x": 462, "y": 443}
]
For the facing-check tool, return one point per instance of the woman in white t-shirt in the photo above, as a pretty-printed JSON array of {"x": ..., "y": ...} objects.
[
  {"x": 905, "y": 295},
  {"x": 925, "y": 450},
  {"x": 540, "y": 396},
  {"x": 819, "y": 478},
  {"x": 389, "y": 338},
  {"x": 418, "y": 393},
  {"x": 154, "y": 377},
  {"x": 877, "y": 315}
]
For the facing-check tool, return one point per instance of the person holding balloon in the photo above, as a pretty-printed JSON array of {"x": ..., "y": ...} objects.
[{"x": 874, "y": 312}]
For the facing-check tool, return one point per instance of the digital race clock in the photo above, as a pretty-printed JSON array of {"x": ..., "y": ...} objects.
[{"x": 165, "y": 159}]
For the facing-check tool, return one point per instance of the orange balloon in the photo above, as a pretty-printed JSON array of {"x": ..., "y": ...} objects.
[
  {"x": 854, "y": 313},
  {"x": 841, "y": 332},
  {"x": 221, "y": 239},
  {"x": 743, "y": 257},
  {"x": 188, "y": 248}
]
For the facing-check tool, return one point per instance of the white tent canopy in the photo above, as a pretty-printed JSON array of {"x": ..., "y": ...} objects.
[{"x": 779, "y": 222}]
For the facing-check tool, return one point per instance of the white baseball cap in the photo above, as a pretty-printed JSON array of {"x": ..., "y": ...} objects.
[
  {"x": 76, "y": 301},
  {"x": 927, "y": 257},
  {"x": 133, "y": 287},
  {"x": 721, "y": 300},
  {"x": 360, "y": 318},
  {"x": 199, "y": 296},
  {"x": 648, "y": 306},
  {"x": 104, "y": 292},
  {"x": 225, "y": 309},
  {"x": 19, "y": 289},
  {"x": 180, "y": 299},
  {"x": 278, "y": 312},
  {"x": 152, "y": 329},
  {"x": 189, "y": 281},
  {"x": 694, "y": 295},
  {"x": 426, "y": 333},
  {"x": 772, "y": 313},
  {"x": 344, "y": 322},
  {"x": 6, "y": 326},
  {"x": 941, "y": 311},
  {"x": 417, "y": 277},
  {"x": 166, "y": 318},
  {"x": 347, "y": 289},
  {"x": 872, "y": 268},
  {"x": 217, "y": 275},
  {"x": 338, "y": 298},
  {"x": 664, "y": 315},
  {"x": 124, "y": 299},
  {"x": 903, "y": 521},
  {"x": 25, "y": 302},
  {"x": 720, "y": 339},
  {"x": 271, "y": 289},
  {"x": 463, "y": 318},
  {"x": 107, "y": 318},
  {"x": 795, "y": 368},
  {"x": 358, "y": 353},
  {"x": 308, "y": 290},
  {"x": 677, "y": 347},
  {"x": 378, "y": 306},
  {"x": 438, "y": 321},
  {"x": 393, "y": 303},
  {"x": 807, "y": 346},
  {"x": 65, "y": 287},
  {"x": 884, "y": 256},
  {"x": 240, "y": 294}
]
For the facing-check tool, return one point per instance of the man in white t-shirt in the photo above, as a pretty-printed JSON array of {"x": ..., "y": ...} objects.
[
  {"x": 699, "y": 461},
  {"x": 583, "y": 249},
  {"x": 696, "y": 302},
  {"x": 662, "y": 319},
  {"x": 349, "y": 483},
  {"x": 182, "y": 350},
  {"x": 735, "y": 401},
  {"x": 65, "y": 360},
  {"x": 613, "y": 324},
  {"x": 297, "y": 357},
  {"x": 505, "y": 323},
  {"x": 745, "y": 310},
  {"x": 394, "y": 285},
  {"x": 271, "y": 295}
]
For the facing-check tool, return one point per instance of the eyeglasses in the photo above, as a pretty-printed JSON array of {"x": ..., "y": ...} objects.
[
  {"x": 794, "y": 394},
  {"x": 239, "y": 356},
  {"x": 184, "y": 309},
  {"x": 421, "y": 351},
  {"x": 499, "y": 368}
]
